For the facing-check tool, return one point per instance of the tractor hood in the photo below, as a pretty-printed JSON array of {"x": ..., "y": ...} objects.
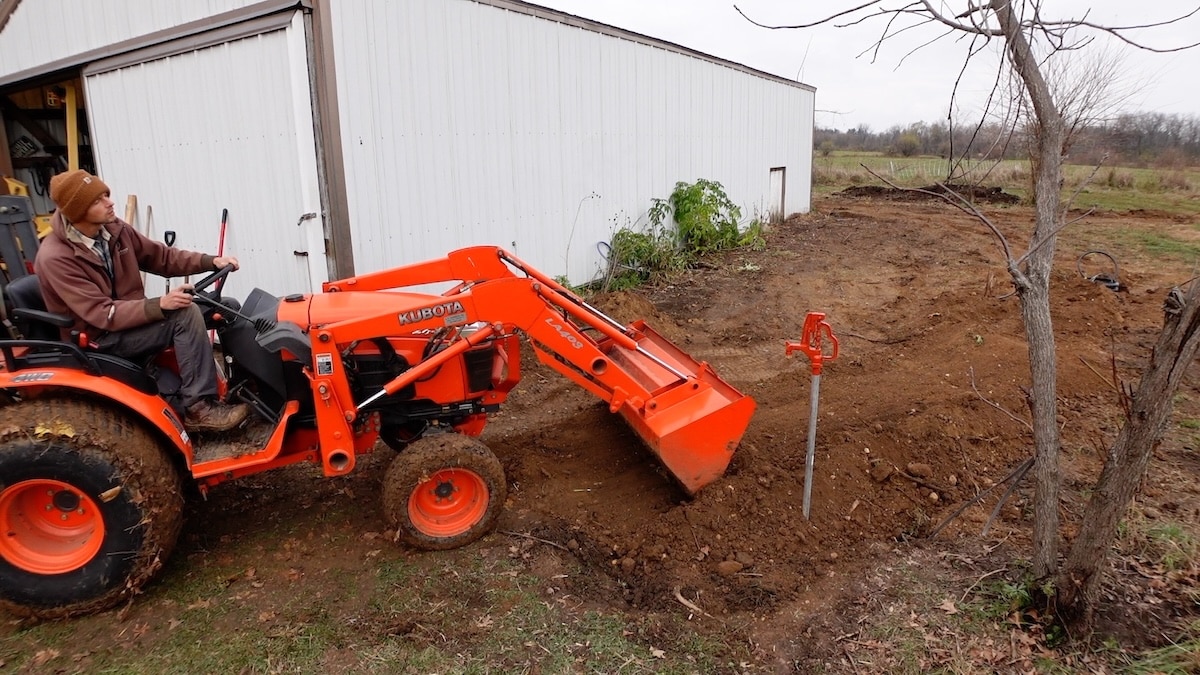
[{"x": 321, "y": 309}]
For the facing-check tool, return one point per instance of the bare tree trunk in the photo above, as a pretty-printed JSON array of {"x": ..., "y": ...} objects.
[
  {"x": 1079, "y": 580},
  {"x": 1035, "y": 311},
  {"x": 1033, "y": 287}
]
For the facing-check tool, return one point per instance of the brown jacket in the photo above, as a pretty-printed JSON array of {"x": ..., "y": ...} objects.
[{"x": 74, "y": 281}]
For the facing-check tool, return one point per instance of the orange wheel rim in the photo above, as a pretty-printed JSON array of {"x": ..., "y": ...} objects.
[
  {"x": 48, "y": 526},
  {"x": 448, "y": 503}
]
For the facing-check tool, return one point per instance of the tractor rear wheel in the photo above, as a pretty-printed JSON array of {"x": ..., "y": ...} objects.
[
  {"x": 90, "y": 507},
  {"x": 444, "y": 491}
]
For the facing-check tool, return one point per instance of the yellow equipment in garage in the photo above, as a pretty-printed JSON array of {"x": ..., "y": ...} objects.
[{"x": 40, "y": 222}]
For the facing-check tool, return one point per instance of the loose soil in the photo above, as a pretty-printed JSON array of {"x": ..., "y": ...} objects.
[{"x": 919, "y": 413}]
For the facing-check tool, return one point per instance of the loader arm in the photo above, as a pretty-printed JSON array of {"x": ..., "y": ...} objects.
[
  {"x": 466, "y": 265},
  {"x": 685, "y": 413}
]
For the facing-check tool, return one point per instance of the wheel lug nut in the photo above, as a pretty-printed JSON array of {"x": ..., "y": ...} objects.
[
  {"x": 64, "y": 516},
  {"x": 49, "y": 507}
]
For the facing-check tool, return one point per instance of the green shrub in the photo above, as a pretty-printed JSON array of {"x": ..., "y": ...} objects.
[
  {"x": 636, "y": 257},
  {"x": 696, "y": 220},
  {"x": 705, "y": 219}
]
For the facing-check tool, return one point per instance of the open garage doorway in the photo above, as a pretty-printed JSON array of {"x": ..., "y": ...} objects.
[{"x": 44, "y": 131}]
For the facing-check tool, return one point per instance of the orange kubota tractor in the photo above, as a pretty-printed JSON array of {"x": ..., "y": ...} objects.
[{"x": 93, "y": 454}]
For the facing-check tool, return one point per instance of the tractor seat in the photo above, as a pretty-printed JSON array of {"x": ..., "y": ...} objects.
[
  {"x": 35, "y": 323},
  {"x": 29, "y": 310}
]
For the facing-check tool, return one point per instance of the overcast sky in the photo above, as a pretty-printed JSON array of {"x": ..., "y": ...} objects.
[{"x": 897, "y": 87}]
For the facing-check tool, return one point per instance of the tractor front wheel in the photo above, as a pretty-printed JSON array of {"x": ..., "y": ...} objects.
[
  {"x": 444, "y": 491},
  {"x": 90, "y": 507}
]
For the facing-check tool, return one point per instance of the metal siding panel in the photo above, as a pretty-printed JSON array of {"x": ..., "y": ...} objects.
[
  {"x": 187, "y": 155},
  {"x": 467, "y": 123},
  {"x": 91, "y": 25}
]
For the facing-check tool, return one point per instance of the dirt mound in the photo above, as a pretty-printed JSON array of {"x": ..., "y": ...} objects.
[
  {"x": 973, "y": 193},
  {"x": 626, "y": 307}
]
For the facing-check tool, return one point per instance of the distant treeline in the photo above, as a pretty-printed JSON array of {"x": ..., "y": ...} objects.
[{"x": 1139, "y": 139}]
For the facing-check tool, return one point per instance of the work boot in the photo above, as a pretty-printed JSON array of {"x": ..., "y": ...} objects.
[{"x": 215, "y": 416}]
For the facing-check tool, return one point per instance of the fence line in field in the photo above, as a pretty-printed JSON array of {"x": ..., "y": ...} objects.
[
  {"x": 936, "y": 170},
  {"x": 930, "y": 170}
]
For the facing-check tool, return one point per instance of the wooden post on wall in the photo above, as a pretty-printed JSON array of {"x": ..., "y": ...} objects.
[
  {"x": 6, "y": 167},
  {"x": 7, "y": 7},
  {"x": 72, "y": 127}
]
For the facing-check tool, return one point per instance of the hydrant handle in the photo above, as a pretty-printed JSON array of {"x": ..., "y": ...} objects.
[{"x": 815, "y": 329}]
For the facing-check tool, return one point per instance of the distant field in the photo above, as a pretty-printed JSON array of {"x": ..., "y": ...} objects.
[{"x": 1115, "y": 188}]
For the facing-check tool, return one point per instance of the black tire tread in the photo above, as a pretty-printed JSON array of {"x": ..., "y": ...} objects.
[
  {"x": 114, "y": 436},
  {"x": 427, "y": 455}
]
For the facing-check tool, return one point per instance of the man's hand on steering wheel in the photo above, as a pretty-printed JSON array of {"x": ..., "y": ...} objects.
[
  {"x": 217, "y": 277},
  {"x": 176, "y": 298},
  {"x": 225, "y": 260},
  {"x": 211, "y": 299}
]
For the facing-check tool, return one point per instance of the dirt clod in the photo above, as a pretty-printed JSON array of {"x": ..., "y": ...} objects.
[
  {"x": 880, "y": 472},
  {"x": 919, "y": 469},
  {"x": 728, "y": 568}
]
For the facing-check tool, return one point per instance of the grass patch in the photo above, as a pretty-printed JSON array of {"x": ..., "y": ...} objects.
[
  {"x": 1135, "y": 200},
  {"x": 1109, "y": 188},
  {"x": 1127, "y": 241},
  {"x": 1166, "y": 545},
  {"x": 1163, "y": 245},
  {"x": 1172, "y": 546},
  {"x": 1157, "y": 245},
  {"x": 1179, "y": 658},
  {"x": 845, "y": 168},
  {"x": 462, "y": 611}
]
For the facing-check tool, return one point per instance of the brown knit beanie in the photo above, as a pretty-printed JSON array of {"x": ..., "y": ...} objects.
[{"x": 74, "y": 192}]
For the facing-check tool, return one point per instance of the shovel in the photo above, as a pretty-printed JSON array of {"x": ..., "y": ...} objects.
[
  {"x": 169, "y": 240},
  {"x": 815, "y": 327}
]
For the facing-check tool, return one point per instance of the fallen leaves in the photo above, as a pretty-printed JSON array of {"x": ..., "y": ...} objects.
[{"x": 44, "y": 656}]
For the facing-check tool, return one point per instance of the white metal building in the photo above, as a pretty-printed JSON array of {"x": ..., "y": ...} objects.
[{"x": 406, "y": 129}]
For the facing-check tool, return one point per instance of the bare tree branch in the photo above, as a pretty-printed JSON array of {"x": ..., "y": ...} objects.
[
  {"x": 1012, "y": 487},
  {"x": 808, "y": 25},
  {"x": 1046, "y": 240},
  {"x": 959, "y": 202},
  {"x": 1020, "y": 471},
  {"x": 1082, "y": 184},
  {"x": 997, "y": 406},
  {"x": 1118, "y": 31},
  {"x": 978, "y": 17}
]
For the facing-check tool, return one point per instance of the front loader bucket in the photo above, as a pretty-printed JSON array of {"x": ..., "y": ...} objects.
[{"x": 692, "y": 423}]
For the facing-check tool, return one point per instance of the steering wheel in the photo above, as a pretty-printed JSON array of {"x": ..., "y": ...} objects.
[
  {"x": 212, "y": 299},
  {"x": 217, "y": 278}
]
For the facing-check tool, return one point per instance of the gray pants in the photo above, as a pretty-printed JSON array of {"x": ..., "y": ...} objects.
[{"x": 183, "y": 329}]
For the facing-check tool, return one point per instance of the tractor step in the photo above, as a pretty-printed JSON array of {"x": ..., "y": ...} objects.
[{"x": 245, "y": 440}]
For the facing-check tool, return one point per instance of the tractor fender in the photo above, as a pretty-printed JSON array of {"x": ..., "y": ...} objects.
[{"x": 157, "y": 413}]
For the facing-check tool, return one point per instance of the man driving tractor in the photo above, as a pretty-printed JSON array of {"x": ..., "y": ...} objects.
[{"x": 89, "y": 267}]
